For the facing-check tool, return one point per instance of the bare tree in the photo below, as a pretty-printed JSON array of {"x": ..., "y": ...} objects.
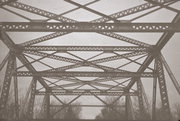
[
  {"x": 115, "y": 111},
  {"x": 176, "y": 113},
  {"x": 61, "y": 111},
  {"x": 140, "y": 115}
]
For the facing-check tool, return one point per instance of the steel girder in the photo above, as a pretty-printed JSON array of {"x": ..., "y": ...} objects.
[
  {"x": 159, "y": 45},
  {"x": 45, "y": 107},
  {"x": 79, "y": 82},
  {"x": 46, "y": 55},
  {"x": 64, "y": 19},
  {"x": 7, "y": 83},
  {"x": 6, "y": 2},
  {"x": 72, "y": 26},
  {"x": 129, "y": 109},
  {"x": 140, "y": 98},
  {"x": 163, "y": 89},
  {"x": 154, "y": 94},
  {"x": 84, "y": 74},
  {"x": 101, "y": 60},
  {"x": 103, "y": 19},
  {"x": 32, "y": 99},
  {"x": 171, "y": 75},
  {"x": 11, "y": 45},
  {"x": 16, "y": 96},
  {"x": 123, "y": 13},
  {"x": 53, "y": 106},
  {"x": 84, "y": 48},
  {"x": 89, "y": 27},
  {"x": 87, "y": 92}
]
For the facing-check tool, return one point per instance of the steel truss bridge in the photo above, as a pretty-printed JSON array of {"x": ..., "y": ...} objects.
[{"x": 125, "y": 82}]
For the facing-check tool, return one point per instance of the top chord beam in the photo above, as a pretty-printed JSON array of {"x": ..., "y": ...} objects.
[
  {"x": 84, "y": 48},
  {"x": 89, "y": 27}
]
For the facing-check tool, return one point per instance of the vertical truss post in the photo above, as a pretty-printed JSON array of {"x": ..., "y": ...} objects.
[
  {"x": 154, "y": 94},
  {"x": 128, "y": 108},
  {"x": 45, "y": 109},
  {"x": 31, "y": 100},
  {"x": 140, "y": 98},
  {"x": 16, "y": 94},
  {"x": 163, "y": 89},
  {"x": 24, "y": 105},
  {"x": 48, "y": 105},
  {"x": 6, "y": 84}
]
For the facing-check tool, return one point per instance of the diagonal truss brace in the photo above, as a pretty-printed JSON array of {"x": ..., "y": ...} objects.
[
  {"x": 100, "y": 20},
  {"x": 11, "y": 45},
  {"x": 4, "y": 61},
  {"x": 159, "y": 45}
]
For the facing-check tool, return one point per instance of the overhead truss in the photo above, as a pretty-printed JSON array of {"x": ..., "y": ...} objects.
[{"x": 48, "y": 81}]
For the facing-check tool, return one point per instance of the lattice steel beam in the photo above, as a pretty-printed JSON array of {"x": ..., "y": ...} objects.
[
  {"x": 74, "y": 9},
  {"x": 163, "y": 89},
  {"x": 130, "y": 11},
  {"x": 77, "y": 62},
  {"x": 154, "y": 94},
  {"x": 128, "y": 108},
  {"x": 116, "y": 15},
  {"x": 44, "y": 107},
  {"x": 46, "y": 55},
  {"x": 89, "y": 27},
  {"x": 4, "y": 61},
  {"x": 16, "y": 95},
  {"x": 6, "y": 2},
  {"x": 43, "y": 38},
  {"x": 39, "y": 11},
  {"x": 105, "y": 68},
  {"x": 88, "y": 83},
  {"x": 159, "y": 45},
  {"x": 120, "y": 106},
  {"x": 84, "y": 74},
  {"x": 111, "y": 58},
  {"x": 87, "y": 92},
  {"x": 84, "y": 48},
  {"x": 171, "y": 75},
  {"x": 11, "y": 45},
  {"x": 91, "y": 10},
  {"x": 23, "y": 59},
  {"x": 163, "y": 6},
  {"x": 48, "y": 106},
  {"x": 24, "y": 105},
  {"x": 31, "y": 100},
  {"x": 140, "y": 98},
  {"x": 7, "y": 83},
  {"x": 125, "y": 39}
]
